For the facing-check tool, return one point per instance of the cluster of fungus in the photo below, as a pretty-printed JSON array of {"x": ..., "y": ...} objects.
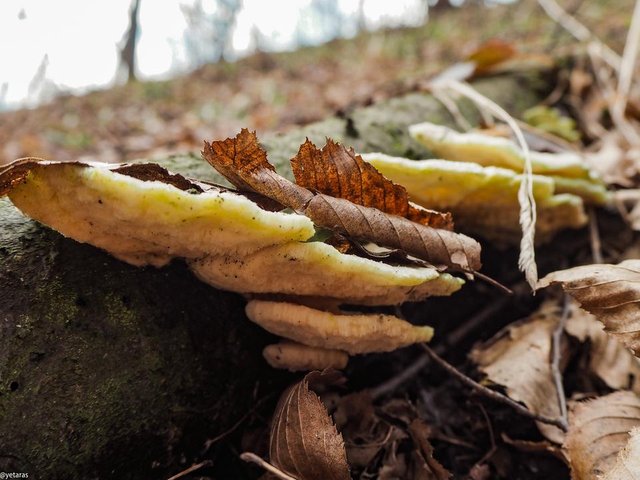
[{"x": 341, "y": 234}]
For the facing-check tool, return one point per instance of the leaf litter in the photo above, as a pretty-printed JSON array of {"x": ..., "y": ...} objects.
[{"x": 401, "y": 437}]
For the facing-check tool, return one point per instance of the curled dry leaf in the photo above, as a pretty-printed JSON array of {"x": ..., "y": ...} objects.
[
  {"x": 352, "y": 333},
  {"x": 598, "y": 430},
  {"x": 142, "y": 214},
  {"x": 484, "y": 200},
  {"x": 250, "y": 168},
  {"x": 304, "y": 441},
  {"x": 296, "y": 357},
  {"x": 609, "y": 359},
  {"x": 338, "y": 172},
  {"x": 519, "y": 358},
  {"x": 627, "y": 466},
  {"x": 610, "y": 292},
  {"x": 365, "y": 433}
]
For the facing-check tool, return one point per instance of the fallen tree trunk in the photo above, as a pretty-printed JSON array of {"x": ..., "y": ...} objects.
[{"x": 107, "y": 370}]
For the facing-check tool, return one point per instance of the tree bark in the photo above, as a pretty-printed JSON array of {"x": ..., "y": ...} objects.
[
  {"x": 112, "y": 371},
  {"x": 128, "y": 52}
]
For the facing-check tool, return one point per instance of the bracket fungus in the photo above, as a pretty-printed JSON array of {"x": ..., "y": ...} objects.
[
  {"x": 297, "y": 357},
  {"x": 477, "y": 176},
  {"x": 263, "y": 237},
  {"x": 352, "y": 333}
]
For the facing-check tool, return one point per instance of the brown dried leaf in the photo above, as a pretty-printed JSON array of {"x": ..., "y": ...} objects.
[
  {"x": 598, "y": 430},
  {"x": 519, "y": 359},
  {"x": 609, "y": 359},
  {"x": 491, "y": 53},
  {"x": 610, "y": 292},
  {"x": 420, "y": 433},
  {"x": 439, "y": 247},
  {"x": 627, "y": 466},
  {"x": 244, "y": 163},
  {"x": 304, "y": 441},
  {"x": 338, "y": 172},
  {"x": 365, "y": 434}
]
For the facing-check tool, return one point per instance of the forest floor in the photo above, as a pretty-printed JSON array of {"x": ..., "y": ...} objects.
[{"x": 472, "y": 437}]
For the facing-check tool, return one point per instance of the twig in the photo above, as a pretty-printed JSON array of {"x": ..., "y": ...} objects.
[
  {"x": 452, "y": 339},
  {"x": 556, "y": 356},
  {"x": 627, "y": 66},
  {"x": 191, "y": 469},
  {"x": 572, "y": 10},
  {"x": 404, "y": 376},
  {"x": 493, "y": 282},
  {"x": 492, "y": 394},
  {"x": 594, "y": 233},
  {"x": 208, "y": 443},
  {"x": 253, "y": 458},
  {"x": 492, "y": 438},
  {"x": 579, "y": 31}
]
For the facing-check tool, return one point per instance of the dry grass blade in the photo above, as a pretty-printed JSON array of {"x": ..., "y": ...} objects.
[
  {"x": 610, "y": 292},
  {"x": 528, "y": 214},
  {"x": 338, "y": 172},
  {"x": 579, "y": 31},
  {"x": 598, "y": 430},
  {"x": 304, "y": 442},
  {"x": 627, "y": 67}
]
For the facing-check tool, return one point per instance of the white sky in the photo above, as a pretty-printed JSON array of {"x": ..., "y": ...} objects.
[{"x": 79, "y": 37}]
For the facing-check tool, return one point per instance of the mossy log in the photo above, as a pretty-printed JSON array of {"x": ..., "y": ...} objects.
[{"x": 112, "y": 371}]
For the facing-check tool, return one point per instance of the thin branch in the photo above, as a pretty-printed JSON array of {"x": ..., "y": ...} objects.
[
  {"x": 594, "y": 234},
  {"x": 492, "y": 394},
  {"x": 234, "y": 427},
  {"x": 453, "y": 338},
  {"x": 605, "y": 81},
  {"x": 191, "y": 469},
  {"x": 493, "y": 282},
  {"x": 579, "y": 31},
  {"x": 403, "y": 377},
  {"x": 492, "y": 438},
  {"x": 556, "y": 356},
  {"x": 253, "y": 458}
]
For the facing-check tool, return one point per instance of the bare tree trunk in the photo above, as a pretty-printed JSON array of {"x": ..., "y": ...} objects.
[{"x": 128, "y": 52}]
